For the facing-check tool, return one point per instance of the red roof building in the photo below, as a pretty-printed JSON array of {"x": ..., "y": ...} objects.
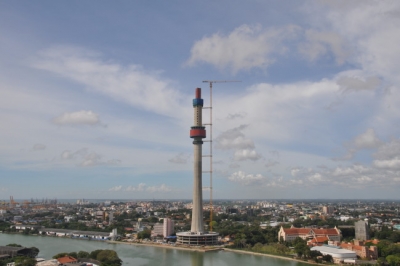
[
  {"x": 290, "y": 234},
  {"x": 362, "y": 251},
  {"x": 67, "y": 259}
]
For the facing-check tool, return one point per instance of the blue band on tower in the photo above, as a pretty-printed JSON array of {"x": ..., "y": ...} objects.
[{"x": 197, "y": 102}]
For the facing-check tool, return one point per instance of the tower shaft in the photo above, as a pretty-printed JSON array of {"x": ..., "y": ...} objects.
[{"x": 197, "y": 132}]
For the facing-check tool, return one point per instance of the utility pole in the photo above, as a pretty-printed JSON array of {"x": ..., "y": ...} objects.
[{"x": 210, "y": 140}]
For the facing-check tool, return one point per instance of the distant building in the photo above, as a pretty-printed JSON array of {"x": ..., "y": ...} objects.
[
  {"x": 290, "y": 234},
  {"x": 158, "y": 230},
  {"x": 100, "y": 215},
  {"x": 328, "y": 209},
  {"x": 338, "y": 254},
  {"x": 362, "y": 230},
  {"x": 68, "y": 218},
  {"x": 17, "y": 218},
  {"x": 164, "y": 229},
  {"x": 67, "y": 259},
  {"x": 361, "y": 250},
  {"x": 168, "y": 227}
]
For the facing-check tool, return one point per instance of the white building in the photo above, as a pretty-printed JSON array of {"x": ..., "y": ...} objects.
[
  {"x": 338, "y": 254},
  {"x": 158, "y": 230},
  {"x": 168, "y": 227},
  {"x": 163, "y": 229}
]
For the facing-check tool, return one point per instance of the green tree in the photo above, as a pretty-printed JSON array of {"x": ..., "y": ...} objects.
[
  {"x": 327, "y": 258},
  {"x": 14, "y": 245},
  {"x": 109, "y": 257},
  {"x": 300, "y": 247},
  {"x": 144, "y": 234},
  {"x": 213, "y": 224},
  {"x": 60, "y": 255},
  {"x": 153, "y": 219},
  {"x": 258, "y": 247},
  {"x": 83, "y": 254},
  {"x": 73, "y": 254},
  {"x": 94, "y": 253},
  {"x": 34, "y": 252},
  {"x": 25, "y": 261},
  {"x": 393, "y": 260}
]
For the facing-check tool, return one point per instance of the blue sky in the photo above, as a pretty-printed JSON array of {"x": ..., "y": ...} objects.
[{"x": 96, "y": 98}]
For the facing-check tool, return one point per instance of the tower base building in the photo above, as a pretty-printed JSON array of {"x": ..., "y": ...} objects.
[{"x": 199, "y": 239}]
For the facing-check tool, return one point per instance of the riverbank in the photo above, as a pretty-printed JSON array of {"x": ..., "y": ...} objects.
[
  {"x": 204, "y": 249},
  {"x": 150, "y": 244},
  {"x": 269, "y": 255}
]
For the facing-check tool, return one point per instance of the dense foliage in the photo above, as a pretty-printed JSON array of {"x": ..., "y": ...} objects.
[
  {"x": 106, "y": 257},
  {"x": 144, "y": 234}
]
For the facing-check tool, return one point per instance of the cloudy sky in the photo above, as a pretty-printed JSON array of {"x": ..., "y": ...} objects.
[{"x": 96, "y": 98}]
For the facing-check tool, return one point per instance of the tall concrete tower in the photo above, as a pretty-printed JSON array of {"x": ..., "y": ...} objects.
[
  {"x": 197, "y": 234},
  {"x": 197, "y": 133}
]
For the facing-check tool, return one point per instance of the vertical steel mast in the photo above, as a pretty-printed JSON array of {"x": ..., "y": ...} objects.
[{"x": 210, "y": 141}]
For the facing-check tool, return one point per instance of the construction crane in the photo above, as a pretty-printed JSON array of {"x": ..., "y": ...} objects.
[{"x": 210, "y": 140}]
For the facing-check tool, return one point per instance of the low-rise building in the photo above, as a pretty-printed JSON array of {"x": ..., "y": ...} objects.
[
  {"x": 338, "y": 254},
  {"x": 361, "y": 250},
  {"x": 290, "y": 234}
]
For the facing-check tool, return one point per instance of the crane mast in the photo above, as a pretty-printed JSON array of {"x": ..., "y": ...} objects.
[{"x": 210, "y": 140}]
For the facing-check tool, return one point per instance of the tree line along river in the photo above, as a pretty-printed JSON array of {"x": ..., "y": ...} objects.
[{"x": 134, "y": 255}]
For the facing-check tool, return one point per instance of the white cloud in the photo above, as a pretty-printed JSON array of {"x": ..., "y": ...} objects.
[
  {"x": 236, "y": 116},
  {"x": 388, "y": 156},
  {"x": 181, "y": 158},
  {"x": 162, "y": 188},
  {"x": 355, "y": 176},
  {"x": 321, "y": 43},
  {"x": 234, "y": 139},
  {"x": 234, "y": 165},
  {"x": 130, "y": 84},
  {"x": 77, "y": 118},
  {"x": 68, "y": 155},
  {"x": 371, "y": 29},
  {"x": 347, "y": 83},
  {"x": 86, "y": 158},
  {"x": 116, "y": 188},
  {"x": 388, "y": 150},
  {"x": 367, "y": 140},
  {"x": 38, "y": 147},
  {"x": 91, "y": 159},
  {"x": 247, "y": 154},
  {"x": 140, "y": 187},
  {"x": 246, "y": 179},
  {"x": 246, "y": 47},
  {"x": 271, "y": 163},
  {"x": 255, "y": 180}
]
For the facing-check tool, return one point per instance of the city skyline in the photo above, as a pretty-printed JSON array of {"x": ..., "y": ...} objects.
[{"x": 94, "y": 99}]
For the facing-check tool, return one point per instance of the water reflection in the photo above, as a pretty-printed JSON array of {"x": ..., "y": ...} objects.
[
  {"x": 197, "y": 259},
  {"x": 135, "y": 255}
]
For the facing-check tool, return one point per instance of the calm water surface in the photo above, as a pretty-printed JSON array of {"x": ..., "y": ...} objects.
[{"x": 142, "y": 255}]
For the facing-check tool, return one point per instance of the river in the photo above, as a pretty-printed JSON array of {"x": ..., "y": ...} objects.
[{"x": 133, "y": 255}]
